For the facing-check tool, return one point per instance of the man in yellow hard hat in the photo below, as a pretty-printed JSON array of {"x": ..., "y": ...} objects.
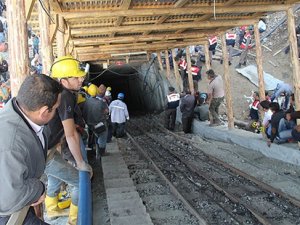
[
  {"x": 95, "y": 111},
  {"x": 65, "y": 131}
]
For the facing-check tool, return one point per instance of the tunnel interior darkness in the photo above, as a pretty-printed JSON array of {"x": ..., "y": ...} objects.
[{"x": 142, "y": 89}]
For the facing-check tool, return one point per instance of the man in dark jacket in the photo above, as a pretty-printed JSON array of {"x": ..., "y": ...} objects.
[
  {"x": 23, "y": 147},
  {"x": 187, "y": 106},
  {"x": 172, "y": 104},
  {"x": 278, "y": 114}
]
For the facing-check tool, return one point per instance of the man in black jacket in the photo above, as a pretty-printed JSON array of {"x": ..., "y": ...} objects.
[{"x": 278, "y": 114}]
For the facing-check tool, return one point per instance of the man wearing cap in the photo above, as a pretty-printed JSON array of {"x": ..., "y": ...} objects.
[
  {"x": 65, "y": 136},
  {"x": 173, "y": 99},
  {"x": 201, "y": 110},
  {"x": 215, "y": 96}
]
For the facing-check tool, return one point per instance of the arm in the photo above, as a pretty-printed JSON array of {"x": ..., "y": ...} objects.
[
  {"x": 17, "y": 189},
  {"x": 73, "y": 141}
]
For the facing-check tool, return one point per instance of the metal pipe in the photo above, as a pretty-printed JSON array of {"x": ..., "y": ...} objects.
[{"x": 85, "y": 199}]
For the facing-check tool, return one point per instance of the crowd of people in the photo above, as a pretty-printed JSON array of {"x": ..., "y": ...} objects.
[
  {"x": 51, "y": 127},
  {"x": 278, "y": 123},
  {"x": 203, "y": 106}
]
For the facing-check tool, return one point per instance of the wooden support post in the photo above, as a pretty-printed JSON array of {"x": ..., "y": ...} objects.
[
  {"x": 159, "y": 61},
  {"x": 127, "y": 59},
  {"x": 294, "y": 57},
  {"x": 260, "y": 72},
  {"x": 228, "y": 96},
  {"x": 167, "y": 64},
  {"x": 18, "y": 44},
  {"x": 207, "y": 59},
  {"x": 53, "y": 29},
  {"x": 28, "y": 7},
  {"x": 60, "y": 37},
  {"x": 189, "y": 69},
  {"x": 46, "y": 46},
  {"x": 176, "y": 72}
]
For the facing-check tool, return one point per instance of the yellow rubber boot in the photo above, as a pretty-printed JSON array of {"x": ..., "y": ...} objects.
[
  {"x": 51, "y": 207},
  {"x": 73, "y": 215}
]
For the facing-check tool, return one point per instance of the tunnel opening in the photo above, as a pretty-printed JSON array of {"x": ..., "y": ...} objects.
[{"x": 142, "y": 83}]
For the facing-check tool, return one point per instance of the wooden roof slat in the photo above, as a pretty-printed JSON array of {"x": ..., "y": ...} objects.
[
  {"x": 141, "y": 28},
  {"x": 173, "y": 11}
]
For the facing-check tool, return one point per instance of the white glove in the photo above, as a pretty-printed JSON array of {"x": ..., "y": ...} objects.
[{"x": 83, "y": 166}]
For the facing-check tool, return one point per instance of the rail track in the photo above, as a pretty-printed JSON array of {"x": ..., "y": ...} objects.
[{"x": 213, "y": 191}]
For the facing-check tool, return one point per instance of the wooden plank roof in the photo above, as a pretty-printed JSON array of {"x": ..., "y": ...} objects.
[{"x": 99, "y": 28}]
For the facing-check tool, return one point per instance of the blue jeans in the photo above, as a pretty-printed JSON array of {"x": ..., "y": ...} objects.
[
  {"x": 102, "y": 139},
  {"x": 60, "y": 171},
  {"x": 285, "y": 129}
]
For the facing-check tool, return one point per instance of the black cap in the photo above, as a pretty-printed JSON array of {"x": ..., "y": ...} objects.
[{"x": 210, "y": 72}]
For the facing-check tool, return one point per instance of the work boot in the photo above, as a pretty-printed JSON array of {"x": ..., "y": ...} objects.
[
  {"x": 229, "y": 63},
  {"x": 244, "y": 64},
  {"x": 73, "y": 215},
  {"x": 221, "y": 61},
  {"x": 52, "y": 209}
]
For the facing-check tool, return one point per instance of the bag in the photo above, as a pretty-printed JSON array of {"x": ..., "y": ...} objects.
[{"x": 99, "y": 128}]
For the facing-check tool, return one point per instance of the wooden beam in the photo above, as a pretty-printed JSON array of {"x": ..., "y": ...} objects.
[
  {"x": 294, "y": 57},
  {"x": 67, "y": 37},
  {"x": 18, "y": 44},
  {"x": 228, "y": 97},
  {"x": 160, "y": 27},
  {"x": 259, "y": 61},
  {"x": 176, "y": 72},
  {"x": 174, "y": 11},
  {"x": 207, "y": 59},
  {"x": 189, "y": 69},
  {"x": 159, "y": 61},
  {"x": 45, "y": 42},
  {"x": 55, "y": 5},
  {"x": 28, "y": 8},
  {"x": 53, "y": 29},
  {"x": 167, "y": 64},
  {"x": 60, "y": 38},
  {"x": 180, "y": 3},
  {"x": 136, "y": 47},
  {"x": 104, "y": 40}
]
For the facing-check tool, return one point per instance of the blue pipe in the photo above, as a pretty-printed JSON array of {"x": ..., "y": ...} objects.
[{"x": 85, "y": 199}]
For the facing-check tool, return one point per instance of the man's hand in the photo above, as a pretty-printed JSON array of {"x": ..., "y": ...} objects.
[
  {"x": 83, "y": 166},
  {"x": 41, "y": 199},
  {"x": 269, "y": 143}
]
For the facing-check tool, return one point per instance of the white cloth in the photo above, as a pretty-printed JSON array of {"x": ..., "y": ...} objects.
[
  {"x": 118, "y": 111},
  {"x": 267, "y": 117}
]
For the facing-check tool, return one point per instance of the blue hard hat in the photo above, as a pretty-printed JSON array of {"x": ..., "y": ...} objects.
[
  {"x": 121, "y": 96},
  {"x": 203, "y": 95}
]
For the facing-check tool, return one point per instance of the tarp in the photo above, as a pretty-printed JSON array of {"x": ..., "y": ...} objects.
[{"x": 251, "y": 73}]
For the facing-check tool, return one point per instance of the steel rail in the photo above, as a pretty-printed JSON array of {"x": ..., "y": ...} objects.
[{"x": 173, "y": 189}]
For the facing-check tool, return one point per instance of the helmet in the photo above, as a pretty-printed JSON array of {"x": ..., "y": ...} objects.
[
  {"x": 66, "y": 66},
  {"x": 108, "y": 88},
  {"x": 80, "y": 98},
  {"x": 85, "y": 88},
  {"x": 107, "y": 93},
  {"x": 92, "y": 90},
  {"x": 121, "y": 96}
]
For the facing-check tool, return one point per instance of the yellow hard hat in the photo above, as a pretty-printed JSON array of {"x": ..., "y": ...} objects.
[
  {"x": 66, "y": 66},
  {"x": 85, "y": 88},
  {"x": 80, "y": 98},
  {"x": 92, "y": 90},
  {"x": 108, "y": 88}
]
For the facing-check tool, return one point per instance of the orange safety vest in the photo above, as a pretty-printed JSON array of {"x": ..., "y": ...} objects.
[
  {"x": 182, "y": 64},
  {"x": 212, "y": 40},
  {"x": 244, "y": 42},
  {"x": 195, "y": 70}
]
